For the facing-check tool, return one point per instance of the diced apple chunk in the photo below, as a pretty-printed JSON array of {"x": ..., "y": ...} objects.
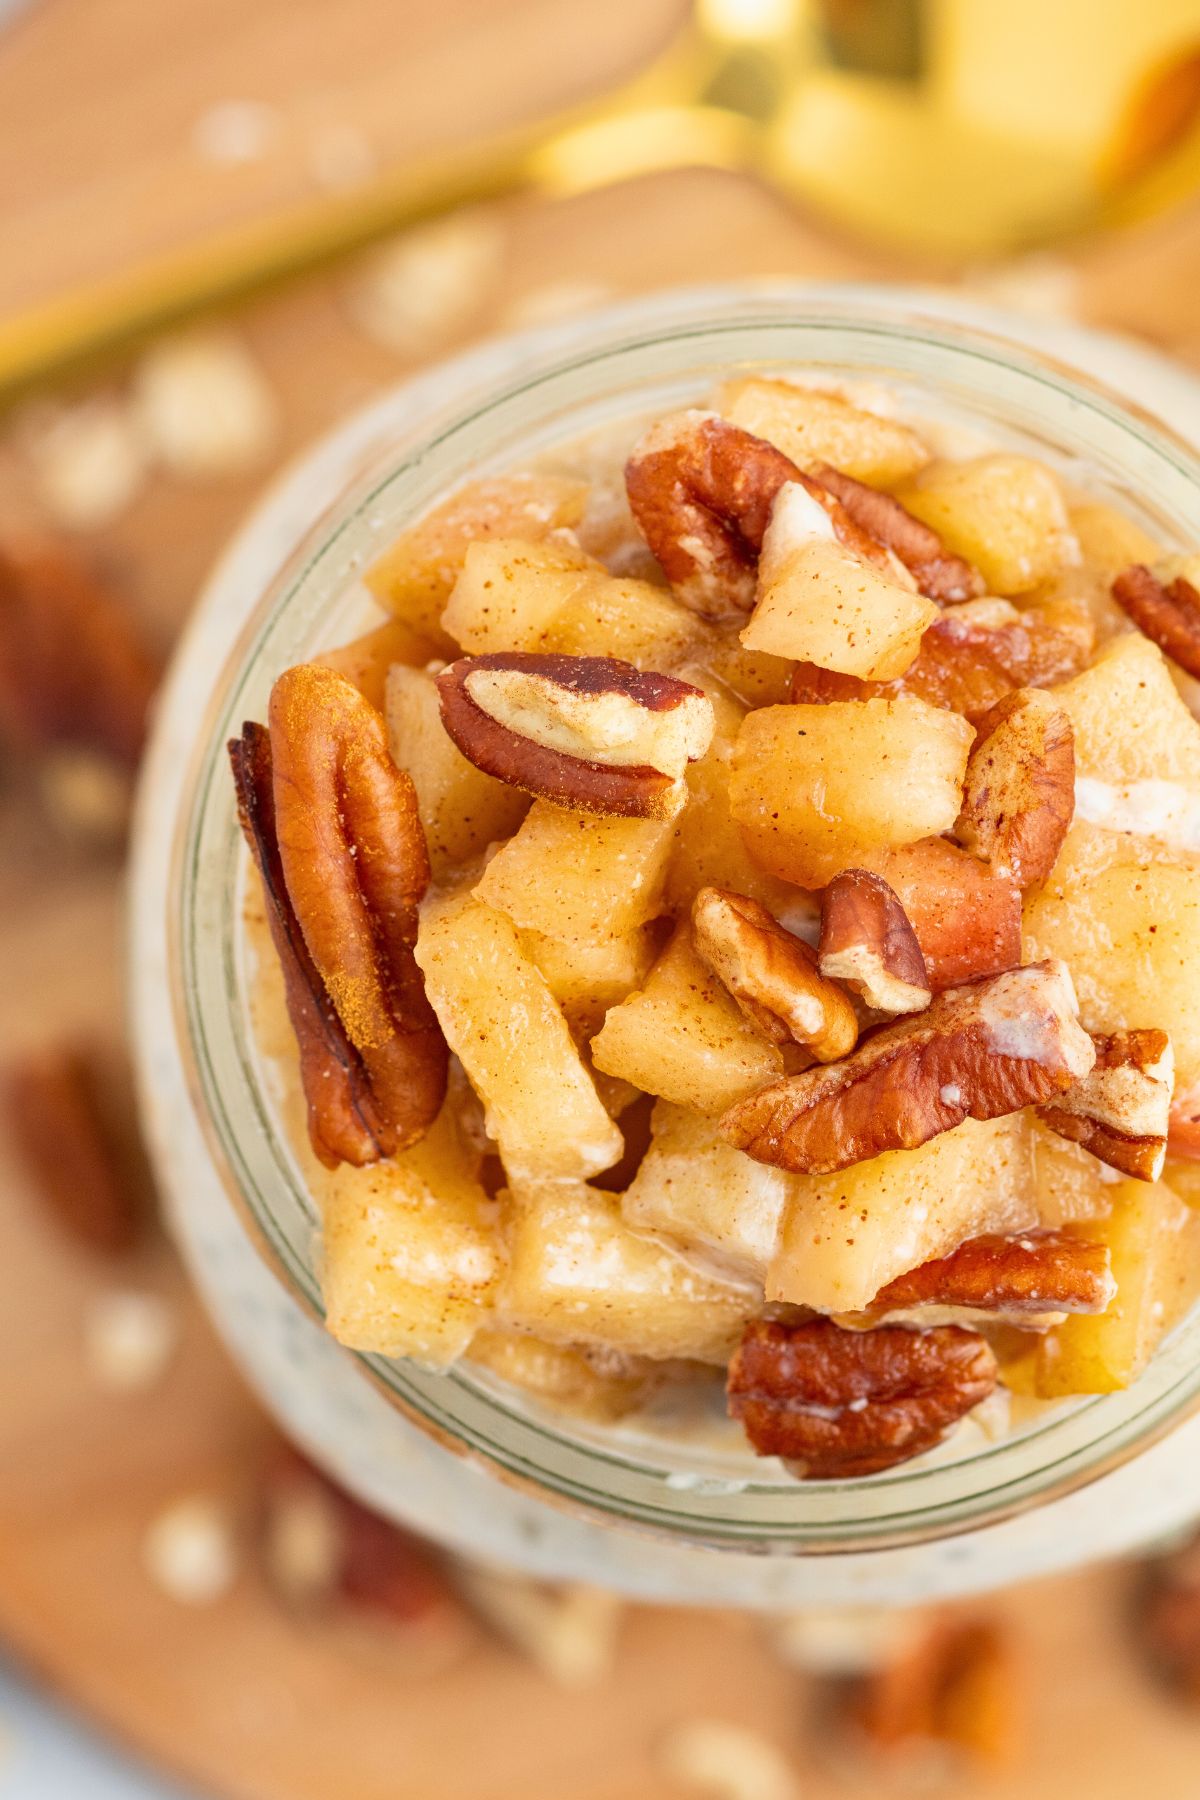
[
  {"x": 513, "y": 595},
  {"x": 604, "y": 1388},
  {"x": 411, "y": 1251},
  {"x": 709, "y": 849},
  {"x": 1070, "y": 1184},
  {"x": 1155, "y": 1251},
  {"x": 579, "y": 875},
  {"x": 502, "y": 1021},
  {"x": 846, "y": 1236},
  {"x": 815, "y": 788},
  {"x": 588, "y": 975},
  {"x": 462, "y": 809},
  {"x": 813, "y": 426},
  {"x": 683, "y": 1036},
  {"x": 821, "y": 604},
  {"x": 414, "y": 578},
  {"x": 367, "y": 660},
  {"x": 1004, "y": 513},
  {"x": 1131, "y": 726},
  {"x": 721, "y": 1208},
  {"x": 578, "y": 1275},
  {"x": 1124, "y": 915}
]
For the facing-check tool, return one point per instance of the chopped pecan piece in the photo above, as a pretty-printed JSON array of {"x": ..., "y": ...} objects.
[
  {"x": 772, "y": 975},
  {"x": 1035, "y": 1272},
  {"x": 951, "y": 1684},
  {"x": 702, "y": 490},
  {"x": 587, "y": 732},
  {"x": 846, "y": 1403},
  {"x": 967, "y": 917},
  {"x": 334, "y": 829},
  {"x": 67, "y": 1139},
  {"x": 867, "y": 941},
  {"x": 1121, "y": 1111},
  {"x": 978, "y": 1052},
  {"x": 1168, "y": 1618},
  {"x": 72, "y": 668},
  {"x": 938, "y": 573},
  {"x": 1019, "y": 794},
  {"x": 1168, "y": 611},
  {"x": 971, "y": 657}
]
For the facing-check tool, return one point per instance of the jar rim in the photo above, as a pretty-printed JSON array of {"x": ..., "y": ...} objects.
[{"x": 521, "y": 390}]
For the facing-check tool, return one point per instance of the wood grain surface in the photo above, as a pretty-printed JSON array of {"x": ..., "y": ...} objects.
[{"x": 98, "y": 104}]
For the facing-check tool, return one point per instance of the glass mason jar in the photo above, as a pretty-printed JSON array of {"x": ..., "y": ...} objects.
[{"x": 458, "y": 1454}]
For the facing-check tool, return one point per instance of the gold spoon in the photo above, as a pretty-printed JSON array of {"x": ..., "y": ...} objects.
[{"x": 844, "y": 105}]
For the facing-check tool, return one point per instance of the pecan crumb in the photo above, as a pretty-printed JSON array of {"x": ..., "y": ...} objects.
[{"x": 1167, "y": 1618}]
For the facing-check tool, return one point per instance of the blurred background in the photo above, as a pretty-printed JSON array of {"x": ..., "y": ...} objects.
[{"x": 226, "y": 224}]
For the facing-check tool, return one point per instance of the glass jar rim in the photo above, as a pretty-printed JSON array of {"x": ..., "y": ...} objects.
[{"x": 597, "y": 365}]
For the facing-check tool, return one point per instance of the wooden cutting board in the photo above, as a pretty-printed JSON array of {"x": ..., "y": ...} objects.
[{"x": 238, "y": 1697}]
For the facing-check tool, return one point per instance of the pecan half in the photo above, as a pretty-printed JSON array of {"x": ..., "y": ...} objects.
[
  {"x": 1167, "y": 1618},
  {"x": 1168, "y": 611},
  {"x": 951, "y": 1683},
  {"x": 66, "y": 1138},
  {"x": 701, "y": 491},
  {"x": 970, "y": 657},
  {"x": 772, "y": 975},
  {"x": 334, "y": 829},
  {"x": 1035, "y": 1272},
  {"x": 1019, "y": 793},
  {"x": 939, "y": 574},
  {"x": 588, "y": 732},
  {"x": 72, "y": 668},
  {"x": 1121, "y": 1111},
  {"x": 967, "y": 917},
  {"x": 978, "y": 1052},
  {"x": 845, "y": 1403},
  {"x": 867, "y": 941}
]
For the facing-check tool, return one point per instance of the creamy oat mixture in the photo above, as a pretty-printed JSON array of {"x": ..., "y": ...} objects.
[{"x": 736, "y": 920}]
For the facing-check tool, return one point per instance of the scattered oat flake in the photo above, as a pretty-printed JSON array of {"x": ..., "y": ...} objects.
[
  {"x": 726, "y": 1761},
  {"x": 85, "y": 796},
  {"x": 235, "y": 131},
  {"x": 129, "y": 1339},
  {"x": 204, "y": 404},
  {"x": 1042, "y": 285},
  {"x": 304, "y": 1543},
  {"x": 341, "y": 156},
  {"x": 189, "y": 1551},
  {"x": 840, "y": 1640},
  {"x": 568, "y": 1633},
  {"x": 88, "y": 459},
  {"x": 556, "y": 300},
  {"x": 420, "y": 290}
]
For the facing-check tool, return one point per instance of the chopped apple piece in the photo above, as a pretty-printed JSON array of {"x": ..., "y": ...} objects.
[
  {"x": 513, "y": 595},
  {"x": 1004, "y": 513},
  {"x": 411, "y": 1250},
  {"x": 684, "y": 1037},
  {"x": 816, "y": 788},
  {"x": 501, "y": 1019},
  {"x": 820, "y": 603},
  {"x": 1069, "y": 1182},
  {"x": 367, "y": 660},
  {"x": 1131, "y": 726},
  {"x": 588, "y": 975},
  {"x": 580, "y": 875},
  {"x": 709, "y": 849},
  {"x": 578, "y": 1275},
  {"x": 462, "y": 809},
  {"x": 754, "y": 677},
  {"x": 1124, "y": 915},
  {"x": 814, "y": 426},
  {"x": 606, "y": 1388},
  {"x": 1155, "y": 1251},
  {"x": 845, "y": 1236},
  {"x": 414, "y": 578},
  {"x": 720, "y": 1207}
]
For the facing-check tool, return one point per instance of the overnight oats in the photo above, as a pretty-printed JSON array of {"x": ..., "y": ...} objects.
[{"x": 725, "y": 947}]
